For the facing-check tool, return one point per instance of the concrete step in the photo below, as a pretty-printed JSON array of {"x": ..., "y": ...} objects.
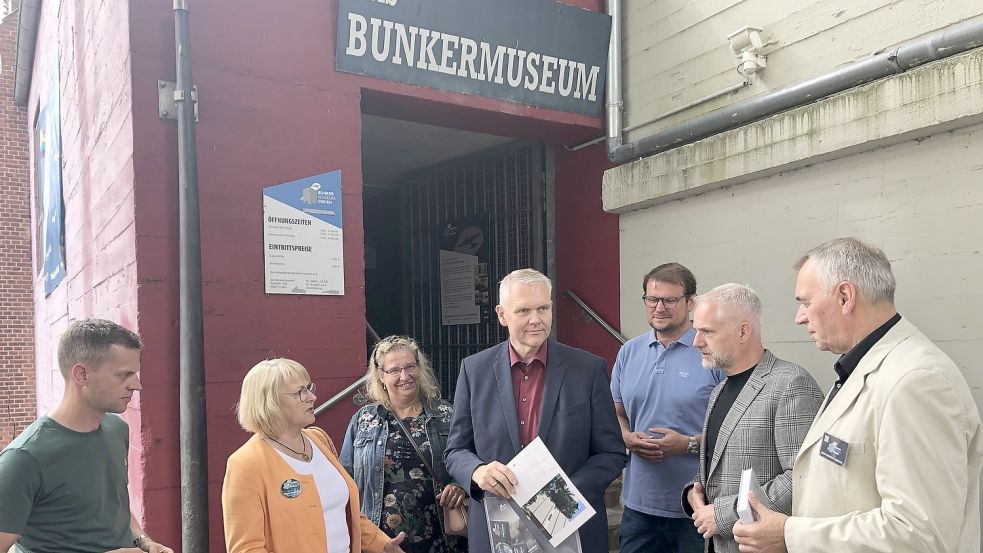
[
  {"x": 614, "y": 528},
  {"x": 612, "y": 495},
  {"x": 612, "y": 500}
]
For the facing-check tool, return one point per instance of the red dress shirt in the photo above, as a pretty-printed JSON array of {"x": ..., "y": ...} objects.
[{"x": 528, "y": 381}]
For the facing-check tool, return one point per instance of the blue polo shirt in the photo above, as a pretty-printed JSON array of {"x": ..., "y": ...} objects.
[{"x": 666, "y": 387}]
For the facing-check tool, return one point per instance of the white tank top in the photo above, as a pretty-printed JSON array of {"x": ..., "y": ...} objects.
[{"x": 333, "y": 491}]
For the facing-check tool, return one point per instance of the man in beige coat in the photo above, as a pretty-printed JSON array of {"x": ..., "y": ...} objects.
[{"x": 892, "y": 462}]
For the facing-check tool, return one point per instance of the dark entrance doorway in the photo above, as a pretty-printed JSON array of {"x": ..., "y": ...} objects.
[{"x": 492, "y": 202}]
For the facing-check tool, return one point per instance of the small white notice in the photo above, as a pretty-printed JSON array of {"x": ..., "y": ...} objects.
[
  {"x": 749, "y": 483},
  {"x": 457, "y": 295},
  {"x": 303, "y": 240}
]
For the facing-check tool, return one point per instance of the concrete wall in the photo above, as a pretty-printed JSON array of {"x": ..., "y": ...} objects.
[
  {"x": 83, "y": 38},
  {"x": 676, "y": 51},
  {"x": 895, "y": 162},
  {"x": 920, "y": 201},
  {"x": 16, "y": 260}
]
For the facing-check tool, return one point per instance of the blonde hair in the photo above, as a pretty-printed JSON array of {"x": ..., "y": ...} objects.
[
  {"x": 376, "y": 391},
  {"x": 259, "y": 409}
]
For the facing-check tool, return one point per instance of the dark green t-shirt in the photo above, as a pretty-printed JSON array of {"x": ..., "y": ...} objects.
[{"x": 65, "y": 491}]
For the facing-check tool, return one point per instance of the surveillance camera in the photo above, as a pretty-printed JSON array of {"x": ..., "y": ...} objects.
[
  {"x": 746, "y": 43},
  {"x": 749, "y": 63}
]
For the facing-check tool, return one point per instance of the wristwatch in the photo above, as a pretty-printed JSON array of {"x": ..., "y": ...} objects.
[
  {"x": 138, "y": 542},
  {"x": 693, "y": 447}
]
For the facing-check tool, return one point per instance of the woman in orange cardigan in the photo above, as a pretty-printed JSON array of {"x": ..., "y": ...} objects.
[{"x": 284, "y": 489}]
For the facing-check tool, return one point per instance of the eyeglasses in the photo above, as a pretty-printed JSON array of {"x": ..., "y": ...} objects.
[
  {"x": 410, "y": 369},
  {"x": 304, "y": 393},
  {"x": 668, "y": 303}
]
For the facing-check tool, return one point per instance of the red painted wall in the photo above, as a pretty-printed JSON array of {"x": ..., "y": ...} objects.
[
  {"x": 17, "y": 409},
  {"x": 272, "y": 109},
  {"x": 587, "y": 254}
]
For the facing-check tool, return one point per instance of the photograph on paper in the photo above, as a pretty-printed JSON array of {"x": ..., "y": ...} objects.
[
  {"x": 553, "y": 507},
  {"x": 546, "y": 494},
  {"x": 510, "y": 531}
]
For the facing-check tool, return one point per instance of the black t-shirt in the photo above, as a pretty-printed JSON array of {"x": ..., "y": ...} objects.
[{"x": 728, "y": 395}]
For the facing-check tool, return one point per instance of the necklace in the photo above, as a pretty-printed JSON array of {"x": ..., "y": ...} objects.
[
  {"x": 412, "y": 412},
  {"x": 303, "y": 453}
]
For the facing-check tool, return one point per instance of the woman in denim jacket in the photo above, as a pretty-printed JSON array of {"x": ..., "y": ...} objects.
[{"x": 398, "y": 492}]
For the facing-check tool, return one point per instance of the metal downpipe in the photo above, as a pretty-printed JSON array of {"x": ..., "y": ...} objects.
[
  {"x": 615, "y": 102},
  {"x": 27, "y": 34},
  {"x": 194, "y": 460},
  {"x": 934, "y": 46}
]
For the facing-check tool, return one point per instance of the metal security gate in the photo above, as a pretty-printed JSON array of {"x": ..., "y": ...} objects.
[{"x": 507, "y": 186}]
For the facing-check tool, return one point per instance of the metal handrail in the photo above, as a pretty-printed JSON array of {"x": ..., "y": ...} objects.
[
  {"x": 340, "y": 395},
  {"x": 351, "y": 387},
  {"x": 593, "y": 315}
]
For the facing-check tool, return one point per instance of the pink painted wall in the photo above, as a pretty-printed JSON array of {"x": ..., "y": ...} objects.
[{"x": 97, "y": 179}]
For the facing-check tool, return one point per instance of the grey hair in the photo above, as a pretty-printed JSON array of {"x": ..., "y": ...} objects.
[
  {"x": 737, "y": 300},
  {"x": 866, "y": 266},
  {"x": 522, "y": 276}
]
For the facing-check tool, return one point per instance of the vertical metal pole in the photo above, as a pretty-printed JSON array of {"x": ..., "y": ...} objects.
[
  {"x": 614, "y": 101},
  {"x": 194, "y": 460}
]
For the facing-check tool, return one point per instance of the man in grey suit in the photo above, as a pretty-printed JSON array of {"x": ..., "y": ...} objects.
[
  {"x": 526, "y": 387},
  {"x": 757, "y": 417}
]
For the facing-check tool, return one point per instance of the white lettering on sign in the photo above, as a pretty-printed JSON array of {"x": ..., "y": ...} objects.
[
  {"x": 431, "y": 50},
  {"x": 356, "y": 35}
]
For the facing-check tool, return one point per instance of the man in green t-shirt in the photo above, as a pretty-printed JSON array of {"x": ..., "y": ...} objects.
[{"x": 64, "y": 479}]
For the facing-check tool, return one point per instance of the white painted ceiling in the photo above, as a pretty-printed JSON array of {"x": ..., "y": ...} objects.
[{"x": 391, "y": 147}]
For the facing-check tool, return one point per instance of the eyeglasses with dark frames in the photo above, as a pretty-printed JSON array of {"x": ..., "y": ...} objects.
[
  {"x": 668, "y": 303},
  {"x": 304, "y": 393}
]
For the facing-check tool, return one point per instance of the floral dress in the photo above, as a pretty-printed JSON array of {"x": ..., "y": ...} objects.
[{"x": 409, "y": 500}]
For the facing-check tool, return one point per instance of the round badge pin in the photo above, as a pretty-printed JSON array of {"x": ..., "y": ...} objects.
[{"x": 290, "y": 488}]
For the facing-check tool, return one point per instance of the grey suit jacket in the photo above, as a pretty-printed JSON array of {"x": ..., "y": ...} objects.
[
  {"x": 577, "y": 424},
  {"x": 763, "y": 430}
]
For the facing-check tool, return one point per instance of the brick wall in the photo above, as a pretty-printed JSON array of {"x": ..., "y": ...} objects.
[{"x": 17, "y": 408}]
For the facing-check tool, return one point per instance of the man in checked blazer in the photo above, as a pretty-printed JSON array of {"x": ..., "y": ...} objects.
[{"x": 757, "y": 417}]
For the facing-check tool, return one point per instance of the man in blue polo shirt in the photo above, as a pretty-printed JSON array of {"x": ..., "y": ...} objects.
[{"x": 660, "y": 391}]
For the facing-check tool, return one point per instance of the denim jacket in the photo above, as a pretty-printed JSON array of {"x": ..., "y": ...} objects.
[{"x": 365, "y": 446}]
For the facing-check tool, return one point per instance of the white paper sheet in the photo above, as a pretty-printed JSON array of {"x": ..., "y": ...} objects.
[{"x": 547, "y": 495}]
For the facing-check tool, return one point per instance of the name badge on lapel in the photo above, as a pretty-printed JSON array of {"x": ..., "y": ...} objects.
[
  {"x": 290, "y": 488},
  {"x": 834, "y": 449}
]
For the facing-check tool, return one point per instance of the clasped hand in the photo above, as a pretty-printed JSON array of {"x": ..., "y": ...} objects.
[{"x": 654, "y": 449}]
